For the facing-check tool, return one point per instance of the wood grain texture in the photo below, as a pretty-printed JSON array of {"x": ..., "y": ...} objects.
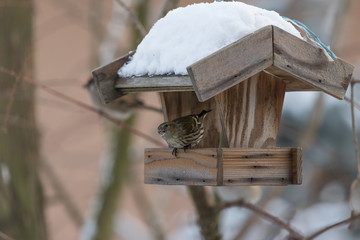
[
  {"x": 251, "y": 111},
  {"x": 247, "y": 115},
  {"x": 167, "y": 83},
  {"x": 105, "y": 77},
  {"x": 232, "y": 64},
  {"x": 240, "y": 166},
  {"x": 309, "y": 64},
  {"x": 195, "y": 167},
  {"x": 260, "y": 166}
]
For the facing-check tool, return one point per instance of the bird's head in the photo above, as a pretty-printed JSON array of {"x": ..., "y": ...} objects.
[{"x": 164, "y": 128}]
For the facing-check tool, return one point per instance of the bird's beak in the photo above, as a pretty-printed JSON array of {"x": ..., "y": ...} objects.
[{"x": 161, "y": 133}]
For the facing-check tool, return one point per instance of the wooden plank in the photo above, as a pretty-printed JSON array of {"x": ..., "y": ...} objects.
[
  {"x": 167, "y": 83},
  {"x": 297, "y": 166},
  {"x": 255, "y": 118},
  {"x": 261, "y": 166},
  {"x": 105, "y": 77},
  {"x": 292, "y": 84},
  {"x": 232, "y": 64},
  {"x": 223, "y": 166},
  {"x": 175, "y": 83},
  {"x": 309, "y": 64},
  {"x": 195, "y": 167}
]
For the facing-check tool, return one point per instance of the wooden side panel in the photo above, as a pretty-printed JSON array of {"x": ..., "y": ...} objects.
[
  {"x": 223, "y": 166},
  {"x": 251, "y": 111},
  {"x": 232, "y": 64},
  {"x": 105, "y": 77},
  {"x": 296, "y": 165},
  {"x": 195, "y": 167},
  {"x": 309, "y": 64},
  {"x": 167, "y": 83},
  {"x": 260, "y": 167}
]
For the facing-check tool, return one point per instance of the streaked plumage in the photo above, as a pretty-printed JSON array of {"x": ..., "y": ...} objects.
[{"x": 183, "y": 132}]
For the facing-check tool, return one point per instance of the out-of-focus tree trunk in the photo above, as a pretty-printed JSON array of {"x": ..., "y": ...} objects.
[
  {"x": 116, "y": 177},
  {"x": 21, "y": 198},
  {"x": 119, "y": 140}
]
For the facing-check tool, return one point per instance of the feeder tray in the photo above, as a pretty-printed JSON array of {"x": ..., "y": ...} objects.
[{"x": 244, "y": 84}]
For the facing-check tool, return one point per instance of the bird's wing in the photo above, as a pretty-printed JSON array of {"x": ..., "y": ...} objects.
[{"x": 185, "y": 125}]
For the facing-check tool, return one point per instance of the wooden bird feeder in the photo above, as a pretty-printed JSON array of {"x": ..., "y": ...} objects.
[{"x": 244, "y": 84}]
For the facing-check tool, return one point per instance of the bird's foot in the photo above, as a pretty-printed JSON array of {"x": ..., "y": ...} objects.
[
  {"x": 174, "y": 152},
  {"x": 186, "y": 147}
]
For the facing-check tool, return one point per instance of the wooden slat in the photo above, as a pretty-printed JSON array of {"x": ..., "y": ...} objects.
[
  {"x": 261, "y": 167},
  {"x": 253, "y": 121},
  {"x": 232, "y": 64},
  {"x": 167, "y": 83},
  {"x": 223, "y": 166},
  {"x": 296, "y": 166},
  {"x": 105, "y": 77},
  {"x": 195, "y": 167},
  {"x": 174, "y": 83},
  {"x": 309, "y": 64}
]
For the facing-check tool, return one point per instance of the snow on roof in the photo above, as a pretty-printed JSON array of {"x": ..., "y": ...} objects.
[{"x": 188, "y": 34}]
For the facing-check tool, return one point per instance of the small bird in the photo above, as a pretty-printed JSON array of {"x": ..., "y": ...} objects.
[
  {"x": 183, "y": 132},
  {"x": 120, "y": 109}
]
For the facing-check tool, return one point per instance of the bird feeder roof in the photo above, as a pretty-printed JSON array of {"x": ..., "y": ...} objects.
[{"x": 303, "y": 66}]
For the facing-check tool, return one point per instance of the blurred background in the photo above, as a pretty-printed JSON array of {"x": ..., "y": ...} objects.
[{"x": 67, "y": 173}]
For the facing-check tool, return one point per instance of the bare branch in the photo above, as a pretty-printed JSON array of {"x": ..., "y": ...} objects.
[
  {"x": 85, "y": 106},
  {"x": 133, "y": 18},
  {"x": 357, "y": 105},
  {"x": 294, "y": 233},
  {"x": 12, "y": 97},
  {"x": 321, "y": 231}
]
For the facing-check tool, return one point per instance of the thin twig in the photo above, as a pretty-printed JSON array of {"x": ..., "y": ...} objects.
[
  {"x": 294, "y": 233},
  {"x": 275, "y": 192},
  {"x": 85, "y": 106},
  {"x": 11, "y": 99},
  {"x": 5, "y": 237},
  {"x": 133, "y": 18},
  {"x": 356, "y": 142},
  {"x": 357, "y": 105},
  {"x": 321, "y": 231}
]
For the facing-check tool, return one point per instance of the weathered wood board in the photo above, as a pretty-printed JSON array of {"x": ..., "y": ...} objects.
[
  {"x": 170, "y": 83},
  {"x": 232, "y": 64},
  {"x": 290, "y": 59},
  {"x": 301, "y": 65},
  {"x": 296, "y": 58},
  {"x": 105, "y": 79},
  {"x": 223, "y": 166}
]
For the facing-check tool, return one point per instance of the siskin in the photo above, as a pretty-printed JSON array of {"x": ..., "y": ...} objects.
[
  {"x": 120, "y": 109},
  {"x": 183, "y": 132}
]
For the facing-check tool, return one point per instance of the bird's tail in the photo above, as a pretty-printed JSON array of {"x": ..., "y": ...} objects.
[{"x": 203, "y": 114}]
